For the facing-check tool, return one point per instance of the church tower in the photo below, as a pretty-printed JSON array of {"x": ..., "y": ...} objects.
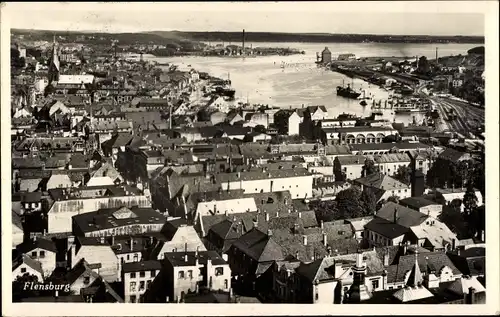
[{"x": 54, "y": 64}]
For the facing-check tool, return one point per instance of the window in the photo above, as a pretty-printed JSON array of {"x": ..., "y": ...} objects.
[
  {"x": 86, "y": 280},
  {"x": 132, "y": 286},
  {"x": 128, "y": 257},
  {"x": 375, "y": 284},
  {"x": 190, "y": 274},
  {"x": 153, "y": 273},
  {"x": 132, "y": 275},
  {"x": 136, "y": 257},
  {"x": 42, "y": 254},
  {"x": 181, "y": 274},
  {"x": 133, "y": 299},
  {"x": 317, "y": 295},
  {"x": 142, "y": 284},
  {"x": 33, "y": 254},
  {"x": 225, "y": 284},
  {"x": 23, "y": 270},
  {"x": 142, "y": 274},
  {"x": 219, "y": 271}
]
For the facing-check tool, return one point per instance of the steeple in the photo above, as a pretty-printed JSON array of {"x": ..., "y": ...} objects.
[
  {"x": 415, "y": 278},
  {"x": 358, "y": 291},
  {"x": 54, "y": 63}
]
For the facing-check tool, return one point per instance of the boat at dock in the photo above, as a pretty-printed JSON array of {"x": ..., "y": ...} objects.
[{"x": 347, "y": 92}]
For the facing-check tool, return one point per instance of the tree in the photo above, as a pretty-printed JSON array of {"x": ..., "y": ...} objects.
[
  {"x": 394, "y": 199},
  {"x": 369, "y": 201},
  {"x": 369, "y": 168},
  {"x": 18, "y": 285},
  {"x": 403, "y": 174},
  {"x": 325, "y": 210},
  {"x": 349, "y": 203},
  {"x": 454, "y": 219},
  {"x": 260, "y": 129},
  {"x": 470, "y": 199}
]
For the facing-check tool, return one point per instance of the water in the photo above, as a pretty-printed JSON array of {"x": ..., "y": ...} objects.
[{"x": 263, "y": 81}]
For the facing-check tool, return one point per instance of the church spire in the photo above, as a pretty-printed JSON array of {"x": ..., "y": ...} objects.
[
  {"x": 415, "y": 278},
  {"x": 54, "y": 63}
]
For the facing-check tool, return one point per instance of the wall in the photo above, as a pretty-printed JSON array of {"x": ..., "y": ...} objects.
[
  {"x": 182, "y": 236},
  {"x": 80, "y": 283},
  {"x": 127, "y": 258},
  {"x": 61, "y": 213},
  {"x": 127, "y": 280},
  {"x": 17, "y": 272},
  {"x": 126, "y": 230},
  {"x": 185, "y": 284},
  {"x": 391, "y": 169},
  {"x": 299, "y": 187},
  {"x": 17, "y": 236},
  {"x": 326, "y": 293},
  {"x": 218, "y": 282},
  {"x": 432, "y": 210},
  {"x": 230, "y": 206},
  {"x": 99, "y": 254},
  {"x": 48, "y": 261},
  {"x": 294, "y": 124}
]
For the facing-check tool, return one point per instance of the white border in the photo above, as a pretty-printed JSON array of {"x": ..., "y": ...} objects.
[{"x": 490, "y": 10}]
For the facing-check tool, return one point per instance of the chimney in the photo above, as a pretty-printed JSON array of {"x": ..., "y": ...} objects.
[
  {"x": 267, "y": 216},
  {"x": 304, "y": 239},
  {"x": 325, "y": 241},
  {"x": 297, "y": 255},
  {"x": 296, "y": 228},
  {"x": 386, "y": 258},
  {"x": 56, "y": 295},
  {"x": 269, "y": 232},
  {"x": 197, "y": 252},
  {"x": 395, "y": 220},
  {"x": 185, "y": 257},
  {"x": 482, "y": 236},
  {"x": 225, "y": 213},
  {"x": 131, "y": 244},
  {"x": 300, "y": 214},
  {"x": 321, "y": 224},
  {"x": 472, "y": 295},
  {"x": 453, "y": 244}
]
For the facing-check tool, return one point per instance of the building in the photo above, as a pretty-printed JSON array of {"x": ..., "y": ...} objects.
[
  {"x": 348, "y": 167},
  {"x": 118, "y": 221},
  {"x": 179, "y": 236},
  {"x": 422, "y": 205},
  {"x": 188, "y": 272},
  {"x": 42, "y": 251},
  {"x": 389, "y": 163},
  {"x": 137, "y": 278},
  {"x": 346, "y": 57},
  {"x": 383, "y": 186},
  {"x": 326, "y": 56},
  {"x": 298, "y": 181},
  {"x": 23, "y": 265},
  {"x": 355, "y": 135}
]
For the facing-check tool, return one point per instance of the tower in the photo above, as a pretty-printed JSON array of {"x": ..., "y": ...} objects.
[
  {"x": 53, "y": 74},
  {"x": 358, "y": 291}
]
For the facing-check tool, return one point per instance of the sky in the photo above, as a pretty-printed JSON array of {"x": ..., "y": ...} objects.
[{"x": 402, "y": 18}]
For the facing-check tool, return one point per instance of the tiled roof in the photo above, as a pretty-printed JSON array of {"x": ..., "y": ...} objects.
[
  {"x": 259, "y": 246},
  {"x": 406, "y": 217},
  {"x": 452, "y": 155},
  {"x": 461, "y": 286},
  {"x": 381, "y": 181},
  {"x": 351, "y": 159},
  {"x": 386, "y": 228},
  {"x": 317, "y": 270},
  {"x": 23, "y": 258},
  {"x": 416, "y": 202},
  {"x": 39, "y": 243}
]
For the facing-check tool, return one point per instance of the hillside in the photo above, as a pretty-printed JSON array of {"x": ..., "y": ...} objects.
[{"x": 316, "y": 37}]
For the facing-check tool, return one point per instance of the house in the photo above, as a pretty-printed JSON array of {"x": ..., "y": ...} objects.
[
  {"x": 288, "y": 121},
  {"x": 118, "y": 221},
  {"x": 31, "y": 202},
  {"x": 84, "y": 280},
  {"x": 69, "y": 202},
  {"x": 446, "y": 196},
  {"x": 59, "y": 181},
  {"x": 297, "y": 180},
  {"x": 355, "y": 135},
  {"x": 382, "y": 148},
  {"x": 42, "y": 251},
  {"x": 348, "y": 167},
  {"x": 383, "y": 186},
  {"x": 381, "y": 232},
  {"x": 471, "y": 261},
  {"x": 96, "y": 252},
  {"x": 422, "y": 205},
  {"x": 137, "y": 278},
  {"x": 188, "y": 272},
  {"x": 317, "y": 113},
  {"x": 179, "y": 236},
  {"x": 104, "y": 174},
  {"x": 389, "y": 163},
  {"x": 24, "y": 264}
]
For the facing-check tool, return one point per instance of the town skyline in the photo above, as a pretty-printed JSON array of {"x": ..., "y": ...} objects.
[{"x": 187, "y": 17}]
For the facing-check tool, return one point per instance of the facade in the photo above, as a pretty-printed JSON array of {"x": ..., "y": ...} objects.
[{"x": 137, "y": 277}]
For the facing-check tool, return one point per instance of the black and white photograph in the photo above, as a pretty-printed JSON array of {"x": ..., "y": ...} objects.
[{"x": 326, "y": 153}]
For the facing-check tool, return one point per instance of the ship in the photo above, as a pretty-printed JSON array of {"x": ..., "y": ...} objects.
[{"x": 347, "y": 92}]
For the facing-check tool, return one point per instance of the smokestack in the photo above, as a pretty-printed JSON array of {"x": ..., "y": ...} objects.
[
  {"x": 437, "y": 61},
  {"x": 243, "y": 44}
]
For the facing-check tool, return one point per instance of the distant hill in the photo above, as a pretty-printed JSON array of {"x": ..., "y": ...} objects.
[
  {"x": 316, "y": 37},
  {"x": 179, "y": 37},
  {"x": 476, "y": 50}
]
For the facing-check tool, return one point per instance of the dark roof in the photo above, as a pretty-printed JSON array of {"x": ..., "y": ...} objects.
[
  {"x": 259, "y": 246},
  {"x": 451, "y": 155},
  {"x": 406, "y": 217},
  {"x": 189, "y": 258},
  {"x": 23, "y": 258},
  {"x": 141, "y": 266},
  {"x": 386, "y": 228},
  {"x": 117, "y": 217},
  {"x": 38, "y": 243},
  {"x": 416, "y": 202},
  {"x": 171, "y": 226},
  {"x": 33, "y": 197}
]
